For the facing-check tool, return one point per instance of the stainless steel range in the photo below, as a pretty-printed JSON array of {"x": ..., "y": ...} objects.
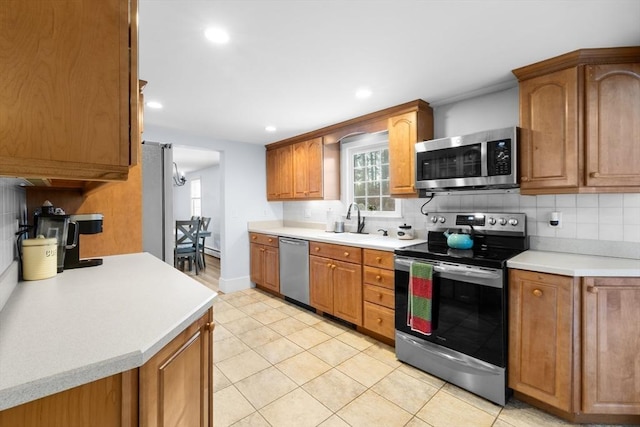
[{"x": 467, "y": 345}]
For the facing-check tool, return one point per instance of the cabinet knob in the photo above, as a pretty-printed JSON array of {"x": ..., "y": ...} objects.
[
  {"x": 378, "y": 258},
  {"x": 537, "y": 292},
  {"x": 209, "y": 326},
  {"x": 378, "y": 278},
  {"x": 379, "y": 320},
  {"x": 524, "y": 179},
  {"x": 329, "y": 265},
  {"x": 592, "y": 289},
  {"x": 261, "y": 249},
  {"x": 346, "y": 254},
  {"x": 254, "y": 237},
  {"x": 594, "y": 175},
  {"x": 270, "y": 240},
  {"x": 333, "y": 266},
  {"x": 379, "y": 296},
  {"x": 317, "y": 249}
]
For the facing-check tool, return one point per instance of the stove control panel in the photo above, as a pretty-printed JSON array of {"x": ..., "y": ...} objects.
[{"x": 491, "y": 222}]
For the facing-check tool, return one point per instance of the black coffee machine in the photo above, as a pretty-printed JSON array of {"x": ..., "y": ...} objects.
[{"x": 87, "y": 224}]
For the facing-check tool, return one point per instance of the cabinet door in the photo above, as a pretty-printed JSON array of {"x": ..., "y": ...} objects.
[
  {"x": 541, "y": 331},
  {"x": 300, "y": 171},
  {"x": 315, "y": 168},
  {"x": 285, "y": 172},
  {"x": 65, "y": 81},
  {"x": 176, "y": 383},
  {"x": 549, "y": 131},
  {"x": 321, "y": 283},
  {"x": 612, "y": 120},
  {"x": 256, "y": 253},
  {"x": 273, "y": 185},
  {"x": 271, "y": 268},
  {"x": 402, "y": 139},
  {"x": 611, "y": 345},
  {"x": 347, "y": 291}
]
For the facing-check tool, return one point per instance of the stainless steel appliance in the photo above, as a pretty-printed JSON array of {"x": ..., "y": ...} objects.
[
  {"x": 482, "y": 160},
  {"x": 294, "y": 269},
  {"x": 468, "y": 342}
]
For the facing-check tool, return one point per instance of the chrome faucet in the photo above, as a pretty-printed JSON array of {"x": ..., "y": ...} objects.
[{"x": 360, "y": 218}]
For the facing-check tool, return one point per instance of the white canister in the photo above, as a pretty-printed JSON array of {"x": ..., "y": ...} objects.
[
  {"x": 39, "y": 258},
  {"x": 404, "y": 232}
]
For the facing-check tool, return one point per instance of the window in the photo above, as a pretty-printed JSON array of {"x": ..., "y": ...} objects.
[
  {"x": 366, "y": 169},
  {"x": 196, "y": 193}
]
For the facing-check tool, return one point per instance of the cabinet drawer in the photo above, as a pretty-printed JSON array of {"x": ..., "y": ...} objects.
[
  {"x": 264, "y": 239},
  {"x": 379, "y": 320},
  {"x": 337, "y": 252},
  {"x": 381, "y": 259},
  {"x": 379, "y": 277},
  {"x": 378, "y": 295}
]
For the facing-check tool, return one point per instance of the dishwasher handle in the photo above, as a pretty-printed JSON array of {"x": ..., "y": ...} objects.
[{"x": 293, "y": 241}]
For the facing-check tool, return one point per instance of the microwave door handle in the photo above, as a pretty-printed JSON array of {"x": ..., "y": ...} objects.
[{"x": 484, "y": 156}]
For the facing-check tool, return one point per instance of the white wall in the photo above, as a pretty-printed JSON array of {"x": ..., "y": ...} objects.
[
  {"x": 243, "y": 198},
  {"x": 604, "y": 224}
]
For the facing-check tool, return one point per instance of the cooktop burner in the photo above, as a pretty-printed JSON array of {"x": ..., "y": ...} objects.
[{"x": 496, "y": 238}]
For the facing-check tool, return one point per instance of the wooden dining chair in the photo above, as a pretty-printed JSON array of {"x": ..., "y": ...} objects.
[
  {"x": 204, "y": 226},
  {"x": 187, "y": 244}
]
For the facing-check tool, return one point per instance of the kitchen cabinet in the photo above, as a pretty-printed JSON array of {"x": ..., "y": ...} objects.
[
  {"x": 610, "y": 346},
  {"x": 280, "y": 173},
  {"x": 573, "y": 345},
  {"x": 378, "y": 293},
  {"x": 306, "y": 170},
  {"x": 542, "y": 325},
  {"x": 335, "y": 280},
  {"x": 175, "y": 387},
  {"x": 265, "y": 261},
  {"x": 579, "y": 122},
  {"x": 404, "y": 131},
  {"x": 69, "y": 89}
]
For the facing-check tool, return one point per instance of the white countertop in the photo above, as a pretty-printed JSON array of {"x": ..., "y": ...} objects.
[
  {"x": 90, "y": 323},
  {"x": 576, "y": 265},
  {"x": 369, "y": 241}
]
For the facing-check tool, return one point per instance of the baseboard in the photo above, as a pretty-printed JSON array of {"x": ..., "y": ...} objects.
[
  {"x": 228, "y": 286},
  {"x": 212, "y": 252}
]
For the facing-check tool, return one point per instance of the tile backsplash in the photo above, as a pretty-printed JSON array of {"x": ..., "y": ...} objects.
[
  {"x": 13, "y": 208},
  {"x": 587, "y": 220}
]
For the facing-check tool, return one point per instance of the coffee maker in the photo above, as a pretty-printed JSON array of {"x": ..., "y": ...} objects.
[{"x": 86, "y": 224}]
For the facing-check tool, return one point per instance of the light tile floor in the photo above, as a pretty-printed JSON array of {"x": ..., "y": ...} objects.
[{"x": 276, "y": 364}]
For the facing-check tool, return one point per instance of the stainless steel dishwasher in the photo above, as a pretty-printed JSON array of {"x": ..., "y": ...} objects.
[{"x": 294, "y": 269}]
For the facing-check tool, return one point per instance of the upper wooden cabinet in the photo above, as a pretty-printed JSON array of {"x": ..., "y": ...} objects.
[
  {"x": 404, "y": 131},
  {"x": 314, "y": 173},
  {"x": 69, "y": 84},
  {"x": 580, "y": 122}
]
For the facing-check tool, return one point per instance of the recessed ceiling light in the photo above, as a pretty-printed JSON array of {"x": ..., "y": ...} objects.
[
  {"x": 217, "y": 35},
  {"x": 154, "y": 104},
  {"x": 363, "y": 93},
  {"x": 270, "y": 128}
]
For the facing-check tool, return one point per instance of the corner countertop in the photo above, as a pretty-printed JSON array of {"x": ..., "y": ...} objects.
[
  {"x": 575, "y": 265},
  {"x": 89, "y": 323},
  {"x": 368, "y": 241}
]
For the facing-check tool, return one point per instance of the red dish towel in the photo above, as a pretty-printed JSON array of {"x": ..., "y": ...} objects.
[{"x": 420, "y": 294}]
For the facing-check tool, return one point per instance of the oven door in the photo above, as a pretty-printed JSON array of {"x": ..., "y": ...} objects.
[{"x": 468, "y": 307}]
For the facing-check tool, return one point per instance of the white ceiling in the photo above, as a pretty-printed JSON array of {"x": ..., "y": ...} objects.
[{"x": 296, "y": 64}]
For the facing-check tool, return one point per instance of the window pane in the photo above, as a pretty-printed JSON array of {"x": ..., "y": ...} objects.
[
  {"x": 373, "y": 204},
  {"x": 373, "y": 188},
  {"x": 361, "y": 201},
  {"x": 384, "y": 187},
  {"x": 359, "y": 189},
  {"x": 359, "y": 160},
  {"x": 358, "y": 175},
  {"x": 384, "y": 156},
  {"x": 384, "y": 172},
  {"x": 388, "y": 204}
]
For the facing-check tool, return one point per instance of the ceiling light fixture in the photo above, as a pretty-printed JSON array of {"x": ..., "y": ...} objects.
[
  {"x": 363, "y": 93},
  {"x": 217, "y": 35},
  {"x": 154, "y": 104},
  {"x": 270, "y": 128},
  {"x": 178, "y": 178}
]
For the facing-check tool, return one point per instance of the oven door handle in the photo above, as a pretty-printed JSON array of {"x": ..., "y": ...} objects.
[{"x": 467, "y": 272}]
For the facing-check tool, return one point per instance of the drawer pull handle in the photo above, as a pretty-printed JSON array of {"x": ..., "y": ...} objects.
[
  {"x": 317, "y": 249},
  {"x": 270, "y": 240},
  {"x": 209, "y": 326},
  {"x": 379, "y": 296},
  {"x": 379, "y": 320},
  {"x": 379, "y": 259},
  {"x": 254, "y": 237},
  {"x": 594, "y": 175},
  {"x": 378, "y": 278},
  {"x": 261, "y": 249},
  {"x": 592, "y": 289},
  {"x": 524, "y": 179},
  {"x": 346, "y": 254},
  {"x": 329, "y": 265},
  {"x": 537, "y": 292},
  {"x": 333, "y": 266}
]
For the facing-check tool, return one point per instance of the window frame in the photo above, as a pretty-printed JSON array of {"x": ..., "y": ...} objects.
[
  {"x": 198, "y": 197},
  {"x": 356, "y": 144}
]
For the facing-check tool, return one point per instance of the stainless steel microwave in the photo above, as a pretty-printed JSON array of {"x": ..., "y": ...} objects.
[{"x": 482, "y": 160}]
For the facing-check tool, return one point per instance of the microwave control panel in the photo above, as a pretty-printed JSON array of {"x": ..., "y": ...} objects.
[{"x": 499, "y": 157}]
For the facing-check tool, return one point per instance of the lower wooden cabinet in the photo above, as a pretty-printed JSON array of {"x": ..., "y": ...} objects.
[
  {"x": 173, "y": 389},
  {"x": 379, "y": 295},
  {"x": 574, "y": 345},
  {"x": 335, "y": 281},
  {"x": 265, "y": 261}
]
